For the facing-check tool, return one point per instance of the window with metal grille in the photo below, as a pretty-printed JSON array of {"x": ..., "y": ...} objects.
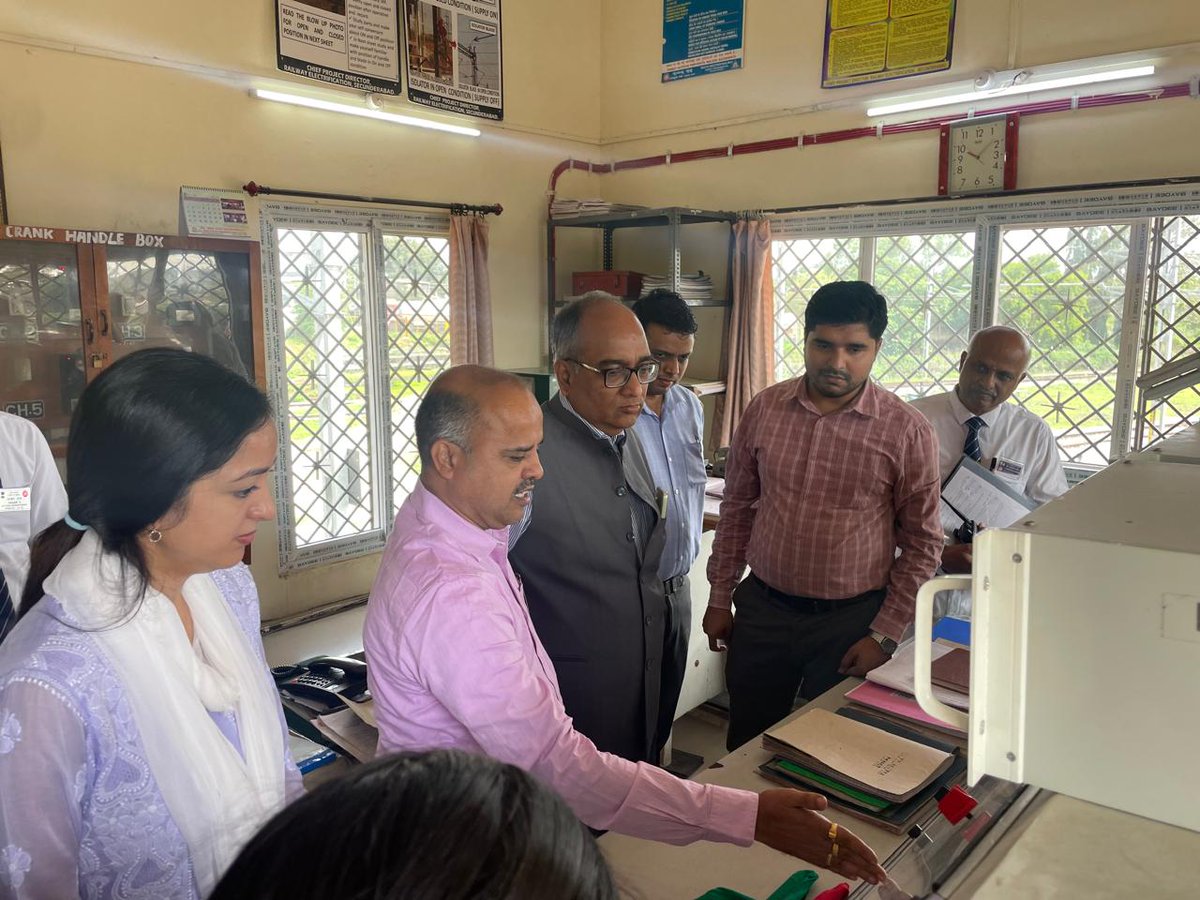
[
  {"x": 1106, "y": 284},
  {"x": 1065, "y": 288},
  {"x": 1172, "y": 329},
  {"x": 926, "y": 279},
  {"x": 358, "y": 326}
]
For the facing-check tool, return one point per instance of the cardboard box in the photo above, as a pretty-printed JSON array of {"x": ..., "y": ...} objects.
[{"x": 619, "y": 284}]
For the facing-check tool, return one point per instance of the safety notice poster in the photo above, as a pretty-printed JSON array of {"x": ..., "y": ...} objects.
[
  {"x": 701, "y": 37},
  {"x": 877, "y": 40},
  {"x": 350, "y": 43},
  {"x": 454, "y": 56}
]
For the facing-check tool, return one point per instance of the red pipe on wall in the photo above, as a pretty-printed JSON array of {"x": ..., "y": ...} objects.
[{"x": 1094, "y": 101}]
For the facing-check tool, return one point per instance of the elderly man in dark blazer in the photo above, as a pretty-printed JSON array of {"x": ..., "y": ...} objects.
[{"x": 589, "y": 553}]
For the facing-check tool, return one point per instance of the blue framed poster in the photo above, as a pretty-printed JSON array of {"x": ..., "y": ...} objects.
[{"x": 701, "y": 37}]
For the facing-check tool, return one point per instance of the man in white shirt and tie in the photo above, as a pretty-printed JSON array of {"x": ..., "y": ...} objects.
[
  {"x": 32, "y": 498},
  {"x": 975, "y": 420}
]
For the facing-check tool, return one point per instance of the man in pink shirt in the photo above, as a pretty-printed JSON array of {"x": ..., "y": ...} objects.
[{"x": 455, "y": 662}]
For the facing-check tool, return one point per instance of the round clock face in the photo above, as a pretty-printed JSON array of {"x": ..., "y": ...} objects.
[{"x": 976, "y": 160}]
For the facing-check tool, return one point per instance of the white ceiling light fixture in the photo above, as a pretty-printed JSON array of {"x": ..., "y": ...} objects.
[
  {"x": 991, "y": 85},
  {"x": 369, "y": 111}
]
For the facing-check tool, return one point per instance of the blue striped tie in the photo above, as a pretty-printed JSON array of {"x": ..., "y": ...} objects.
[
  {"x": 8, "y": 612},
  {"x": 971, "y": 444}
]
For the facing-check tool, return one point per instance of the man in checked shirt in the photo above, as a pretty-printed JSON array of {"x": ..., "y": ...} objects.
[{"x": 827, "y": 476}]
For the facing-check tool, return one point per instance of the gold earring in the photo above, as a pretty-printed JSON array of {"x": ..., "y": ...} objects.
[{"x": 155, "y": 535}]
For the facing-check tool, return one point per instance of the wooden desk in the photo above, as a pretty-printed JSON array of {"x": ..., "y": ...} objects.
[{"x": 651, "y": 869}]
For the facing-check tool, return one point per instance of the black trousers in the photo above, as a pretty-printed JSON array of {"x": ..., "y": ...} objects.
[
  {"x": 677, "y": 627},
  {"x": 781, "y": 645}
]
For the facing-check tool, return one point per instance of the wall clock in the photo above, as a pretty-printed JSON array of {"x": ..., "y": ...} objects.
[{"x": 978, "y": 156}]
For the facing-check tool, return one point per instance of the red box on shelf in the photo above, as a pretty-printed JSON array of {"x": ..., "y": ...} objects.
[{"x": 619, "y": 284}]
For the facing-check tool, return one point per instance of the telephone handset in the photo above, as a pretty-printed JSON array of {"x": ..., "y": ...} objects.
[{"x": 327, "y": 679}]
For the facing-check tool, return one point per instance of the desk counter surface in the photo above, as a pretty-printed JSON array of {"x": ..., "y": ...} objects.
[{"x": 663, "y": 872}]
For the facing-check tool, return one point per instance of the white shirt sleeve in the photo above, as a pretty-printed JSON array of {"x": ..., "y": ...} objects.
[
  {"x": 48, "y": 496},
  {"x": 1047, "y": 479}
]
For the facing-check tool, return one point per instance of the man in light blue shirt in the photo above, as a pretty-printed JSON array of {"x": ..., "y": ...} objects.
[{"x": 671, "y": 431}]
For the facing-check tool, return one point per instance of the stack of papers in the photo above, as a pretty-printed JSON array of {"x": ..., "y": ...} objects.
[
  {"x": 897, "y": 673},
  {"x": 888, "y": 691},
  {"x": 565, "y": 209},
  {"x": 692, "y": 288},
  {"x": 867, "y": 767},
  {"x": 353, "y": 729}
]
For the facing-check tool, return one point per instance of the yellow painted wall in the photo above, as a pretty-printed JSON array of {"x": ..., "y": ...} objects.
[
  {"x": 93, "y": 141},
  {"x": 777, "y": 94},
  {"x": 106, "y": 108}
]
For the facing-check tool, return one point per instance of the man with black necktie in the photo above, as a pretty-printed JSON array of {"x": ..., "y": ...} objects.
[
  {"x": 31, "y": 498},
  {"x": 974, "y": 420}
]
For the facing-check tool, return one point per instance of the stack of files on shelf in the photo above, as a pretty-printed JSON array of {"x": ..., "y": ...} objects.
[
  {"x": 692, "y": 288},
  {"x": 872, "y": 769},
  {"x": 565, "y": 209}
]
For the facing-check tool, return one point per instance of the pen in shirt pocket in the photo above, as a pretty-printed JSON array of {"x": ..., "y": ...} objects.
[{"x": 661, "y": 496}]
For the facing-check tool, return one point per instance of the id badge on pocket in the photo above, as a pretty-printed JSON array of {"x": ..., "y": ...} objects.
[
  {"x": 1008, "y": 469},
  {"x": 15, "y": 499}
]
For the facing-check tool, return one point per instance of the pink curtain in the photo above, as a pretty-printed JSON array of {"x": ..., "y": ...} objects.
[
  {"x": 470, "y": 292},
  {"x": 748, "y": 350}
]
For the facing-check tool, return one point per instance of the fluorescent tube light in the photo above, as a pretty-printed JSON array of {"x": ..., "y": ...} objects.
[
  {"x": 364, "y": 112},
  {"x": 1015, "y": 87}
]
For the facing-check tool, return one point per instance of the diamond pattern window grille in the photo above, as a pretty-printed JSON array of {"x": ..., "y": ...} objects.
[
  {"x": 926, "y": 279},
  {"x": 183, "y": 276},
  {"x": 1172, "y": 326},
  {"x": 323, "y": 296},
  {"x": 799, "y": 268},
  {"x": 47, "y": 293},
  {"x": 1065, "y": 288},
  {"x": 417, "y": 296}
]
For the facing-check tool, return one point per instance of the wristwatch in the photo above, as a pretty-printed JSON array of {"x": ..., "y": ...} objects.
[{"x": 886, "y": 644}]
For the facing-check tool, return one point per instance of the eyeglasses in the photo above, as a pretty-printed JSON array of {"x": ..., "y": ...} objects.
[{"x": 618, "y": 376}]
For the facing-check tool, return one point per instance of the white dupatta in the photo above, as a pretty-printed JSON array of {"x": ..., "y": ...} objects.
[{"x": 217, "y": 798}]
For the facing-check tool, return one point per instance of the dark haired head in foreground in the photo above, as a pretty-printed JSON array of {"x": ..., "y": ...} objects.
[{"x": 441, "y": 825}]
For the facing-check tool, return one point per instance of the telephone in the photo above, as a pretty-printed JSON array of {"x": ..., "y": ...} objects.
[{"x": 328, "y": 680}]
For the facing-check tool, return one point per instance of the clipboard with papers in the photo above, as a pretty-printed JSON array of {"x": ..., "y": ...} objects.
[{"x": 972, "y": 493}]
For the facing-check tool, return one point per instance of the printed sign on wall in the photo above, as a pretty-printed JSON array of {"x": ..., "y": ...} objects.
[
  {"x": 454, "y": 58},
  {"x": 878, "y": 40},
  {"x": 701, "y": 37},
  {"x": 349, "y": 43}
]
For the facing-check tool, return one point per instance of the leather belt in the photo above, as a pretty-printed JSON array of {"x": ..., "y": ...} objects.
[
  {"x": 815, "y": 604},
  {"x": 674, "y": 585}
]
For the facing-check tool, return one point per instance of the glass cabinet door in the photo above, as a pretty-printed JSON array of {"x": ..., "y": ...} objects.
[
  {"x": 195, "y": 299},
  {"x": 42, "y": 362}
]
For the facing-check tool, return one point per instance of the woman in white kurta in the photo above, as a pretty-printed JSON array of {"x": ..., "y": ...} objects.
[{"x": 141, "y": 739}]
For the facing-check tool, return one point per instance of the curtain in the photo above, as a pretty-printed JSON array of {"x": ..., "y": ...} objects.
[
  {"x": 470, "y": 292},
  {"x": 748, "y": 349}
]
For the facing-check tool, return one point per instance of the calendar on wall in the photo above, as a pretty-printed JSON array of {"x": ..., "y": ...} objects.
[{"x": 213, "y": 212}]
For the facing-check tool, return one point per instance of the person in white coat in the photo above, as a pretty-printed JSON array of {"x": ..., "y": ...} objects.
[{"x": 32, "y": 498}]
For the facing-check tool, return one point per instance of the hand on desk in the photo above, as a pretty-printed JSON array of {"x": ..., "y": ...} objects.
[
  {"x": 717, "y": 624},
  {"x": 956, "y": 559},
  {"x": 864, "y": 655},
  {"x": 791, "y": 821}
]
